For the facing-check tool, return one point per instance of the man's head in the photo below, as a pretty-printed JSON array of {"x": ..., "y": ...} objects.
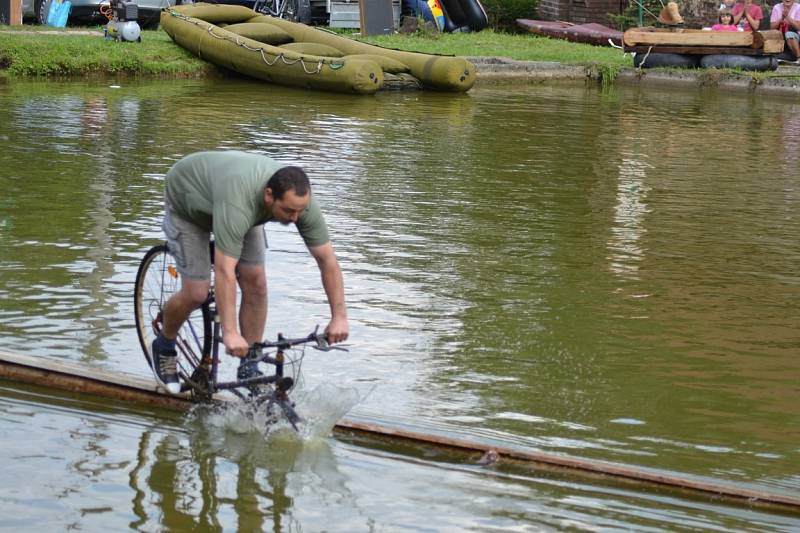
[{"x": 287, "y": 194}]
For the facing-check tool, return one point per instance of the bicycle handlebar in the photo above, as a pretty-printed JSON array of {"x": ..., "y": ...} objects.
[{"x": 321, "y": 340}]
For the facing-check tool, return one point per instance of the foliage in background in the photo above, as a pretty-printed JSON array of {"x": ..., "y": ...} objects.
[
  {"x": 503, "y": 13},
  {"x": 629, "y": 18}
]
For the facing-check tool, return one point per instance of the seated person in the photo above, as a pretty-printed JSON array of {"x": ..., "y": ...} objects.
[
  {"x": 725, "y": 22},
  {"x": 786, "y": 18},
  {"x": 747, "y": 15}
]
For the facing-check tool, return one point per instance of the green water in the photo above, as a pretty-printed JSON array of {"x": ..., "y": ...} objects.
[{"x": 611, "y": 275}]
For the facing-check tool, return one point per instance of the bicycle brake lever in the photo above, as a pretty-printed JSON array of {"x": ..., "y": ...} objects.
[{"x": 328, "y": 348}]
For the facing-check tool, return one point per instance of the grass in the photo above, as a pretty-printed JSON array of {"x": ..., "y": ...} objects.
[
  {"x": 35, "y": 51},
  {"x": 38, "y": 51},
  {"x": 524, "y": 47}
]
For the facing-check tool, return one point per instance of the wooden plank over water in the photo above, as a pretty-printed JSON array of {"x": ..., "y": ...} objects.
[{"x": 70, "y": 376}]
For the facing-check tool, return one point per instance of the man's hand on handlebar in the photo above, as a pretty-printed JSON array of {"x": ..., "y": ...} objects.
[
  {"x": 235, "y": 344},
  {"x": 337, "y": 331}
]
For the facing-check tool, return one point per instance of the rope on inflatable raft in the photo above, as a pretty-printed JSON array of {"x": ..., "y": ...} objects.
[{"x": 333, "y": 65}]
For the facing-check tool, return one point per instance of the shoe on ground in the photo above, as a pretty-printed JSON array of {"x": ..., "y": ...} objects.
[{"x": 165, "y": 367}]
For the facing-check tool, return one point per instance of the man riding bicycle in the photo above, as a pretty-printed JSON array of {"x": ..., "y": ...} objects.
[{"x": 232, "y": 194}]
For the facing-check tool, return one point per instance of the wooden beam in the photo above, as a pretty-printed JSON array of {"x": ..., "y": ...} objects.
[
  {"x": 772, "y": 41},
  {"x": 694, "y": 50},
  {"x": 582, "y": 465},
  {"x": 70, "y": 376},
  {"x": 635, "y": 36},
  {"x": 65, "y": 375}
]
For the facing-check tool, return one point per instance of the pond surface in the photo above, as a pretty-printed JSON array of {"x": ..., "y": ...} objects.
[{"x": 611, "y": 275}]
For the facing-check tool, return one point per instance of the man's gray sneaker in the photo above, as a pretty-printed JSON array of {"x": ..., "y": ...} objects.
[{"x": 165, "y": 365}]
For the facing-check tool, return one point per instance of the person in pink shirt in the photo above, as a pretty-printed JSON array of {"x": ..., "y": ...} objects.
[
  {"x": 725, "y": 22},
  {"x": 747, "y": 15},
  {"x": 786, "y": 17}
]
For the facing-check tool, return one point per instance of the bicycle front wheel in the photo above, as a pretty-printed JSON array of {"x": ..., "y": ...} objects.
[{"x": 156, "y": 281}]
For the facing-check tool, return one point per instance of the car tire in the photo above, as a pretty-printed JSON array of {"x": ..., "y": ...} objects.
[
  {"x": 149, "y": 21},
  {"x": 40, "y": 9}
]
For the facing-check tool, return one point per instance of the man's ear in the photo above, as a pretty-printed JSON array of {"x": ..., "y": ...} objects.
[{"x": 268, "y": 198}]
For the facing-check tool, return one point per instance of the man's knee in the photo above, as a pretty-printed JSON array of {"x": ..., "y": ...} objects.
[
  {"x": 195, "y": 292},
  {"x": 253, "y": 281}
]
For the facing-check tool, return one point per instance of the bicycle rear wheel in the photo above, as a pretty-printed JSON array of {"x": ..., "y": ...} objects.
[
  {"x": 291, "y": 10},
  {"x": 156, "y": 281}
]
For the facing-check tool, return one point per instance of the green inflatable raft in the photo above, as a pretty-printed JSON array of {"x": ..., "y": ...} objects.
[{"x": 288, "y": 53}]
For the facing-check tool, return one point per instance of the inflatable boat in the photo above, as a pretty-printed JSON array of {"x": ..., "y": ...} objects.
[{"x": 293, "y": 54}]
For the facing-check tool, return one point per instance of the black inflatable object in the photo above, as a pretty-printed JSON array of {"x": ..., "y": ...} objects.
[
  {"x": 758, "y": 63},
  {"x": 641, "y": 60},
  {"x": 464, "y": 13}
]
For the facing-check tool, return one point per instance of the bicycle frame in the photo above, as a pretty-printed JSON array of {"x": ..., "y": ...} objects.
[
  {"x": 285, "y": 9},
  {"x": 199, "y": 339}
]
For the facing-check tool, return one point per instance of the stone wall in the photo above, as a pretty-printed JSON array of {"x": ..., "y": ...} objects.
[{"x": 579, "y": 11}]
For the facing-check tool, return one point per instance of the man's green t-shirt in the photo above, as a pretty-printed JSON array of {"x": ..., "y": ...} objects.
[{"x": 223, "y": 192}]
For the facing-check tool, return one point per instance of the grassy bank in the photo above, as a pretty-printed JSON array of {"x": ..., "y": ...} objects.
[
  {"x": 488, "y": 43},
  {"x": 39, "y": 51}
]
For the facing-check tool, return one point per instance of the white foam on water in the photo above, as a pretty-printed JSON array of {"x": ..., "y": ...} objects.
[
  {"x": 319, "y": 408},
  {"x": 322, "y": 407}
]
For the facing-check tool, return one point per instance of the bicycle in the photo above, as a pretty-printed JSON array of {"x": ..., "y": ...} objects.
[
  {"x": 200, "y": 336},
  {"x": 292, "y": 10}
]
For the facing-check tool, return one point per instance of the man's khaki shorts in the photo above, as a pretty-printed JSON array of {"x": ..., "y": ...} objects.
[{"x": 188, "y": 244}]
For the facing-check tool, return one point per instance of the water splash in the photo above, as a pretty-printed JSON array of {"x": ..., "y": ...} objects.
[{"x": 320, "y": 409}]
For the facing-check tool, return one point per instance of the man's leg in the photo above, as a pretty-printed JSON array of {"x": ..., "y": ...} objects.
[
  {"x": 253, "y": 310},
  {"x": 188, "y": 244},
  {"x": 178, "y": 308}
]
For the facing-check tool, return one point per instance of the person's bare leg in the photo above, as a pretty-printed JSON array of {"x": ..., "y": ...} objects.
[
  {"x": 794, "y": 46},
  {"x": 253, "y": 310},
  {"x": 178, "y": 308}
]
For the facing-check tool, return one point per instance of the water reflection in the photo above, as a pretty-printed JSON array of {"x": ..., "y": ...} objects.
[
  {"x": 629, "y": 216},
  {"x": 198, "y": 482}
]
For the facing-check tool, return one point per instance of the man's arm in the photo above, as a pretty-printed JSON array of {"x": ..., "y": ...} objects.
[
  {"x": 225, "y": 294},
  {"x": 333, "y": 283}
]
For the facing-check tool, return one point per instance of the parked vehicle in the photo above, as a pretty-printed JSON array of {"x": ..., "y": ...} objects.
[
  {"x": 35, "y": 9},
  {"x": 89, "y": 11}
]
